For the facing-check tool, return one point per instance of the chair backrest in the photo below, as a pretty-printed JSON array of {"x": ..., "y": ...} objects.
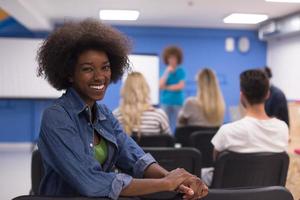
[
  {"x": 265, "y": 193},
  {"x": 251, "y": 169},
  {"x": 201, "y": 140},
  {"x": 155, "y": 196},
  {"x": 30, "y": 197},
  {"x": 37, "y": 171},
  {"x": 156, "y": 141},
  {"x": 172, "y": 158},
  {"x": 182, "y": 134}
]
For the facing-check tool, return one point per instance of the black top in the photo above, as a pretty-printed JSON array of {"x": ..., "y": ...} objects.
[{"x": 276, "y": 105}]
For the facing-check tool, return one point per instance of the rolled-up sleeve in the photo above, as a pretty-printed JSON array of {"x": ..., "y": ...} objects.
[
  {"x": 63, "y": 151},
  {"x": 131, "y": 158},
  {"x": 121, "y": 181}
]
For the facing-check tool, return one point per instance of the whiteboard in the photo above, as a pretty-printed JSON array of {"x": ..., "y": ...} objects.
[
  {"x": 18, "y": 71},
  {"x": 283, "y": 59},
  {"x": 148, "y": 65}
]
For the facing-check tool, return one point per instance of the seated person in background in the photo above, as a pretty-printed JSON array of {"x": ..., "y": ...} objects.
[
  {"x": 208, "y": 107},
  {"x": 80, "y": 141},
  {"x": 276, "y": 105},
  {"x": 136, "y": 113},
  {"x": 256, "y": 132}
]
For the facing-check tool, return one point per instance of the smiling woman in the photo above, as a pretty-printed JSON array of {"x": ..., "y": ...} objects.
[{"x": 80, "y": 141}]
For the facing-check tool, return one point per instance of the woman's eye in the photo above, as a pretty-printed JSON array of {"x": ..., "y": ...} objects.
[
  {"x": 106, "y": 68},
  {"x": 87, "y": 69}
]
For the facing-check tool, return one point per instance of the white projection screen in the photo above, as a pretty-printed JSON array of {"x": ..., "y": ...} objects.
[
  {"x": 18, "y": 71},
  {"x": 148, "y": 65}
]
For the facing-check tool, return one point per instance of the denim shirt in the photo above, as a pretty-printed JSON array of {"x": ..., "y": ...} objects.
[{"x": 66, "y": 145}]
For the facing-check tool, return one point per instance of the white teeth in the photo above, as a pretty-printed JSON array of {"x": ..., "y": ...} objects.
[{"x": 97, "y": 87}]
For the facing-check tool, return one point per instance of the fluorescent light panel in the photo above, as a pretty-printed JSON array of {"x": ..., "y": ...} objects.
[
  {"x": 284, "y": 1},
  {"x": 129, "y": 15},
  {"x": 241, "y": 18}
]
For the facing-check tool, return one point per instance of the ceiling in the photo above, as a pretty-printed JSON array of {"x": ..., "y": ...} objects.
[{"x": 44, "y": 14}]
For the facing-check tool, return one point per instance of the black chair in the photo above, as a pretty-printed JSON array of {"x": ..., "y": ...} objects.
[
  {"x": 172, "y": 158},
  {"x": 182, "y": 134},
  {"x": 201, "y": 140},
  {"x": 155, "y": 196},
  {"x": 30, "y": 197},
  {"x": 156, "y": 141},
  {"x": 265, "y": 193},
  {"x": 250, "y": 170},
  {"x": 37, "y": 171}
]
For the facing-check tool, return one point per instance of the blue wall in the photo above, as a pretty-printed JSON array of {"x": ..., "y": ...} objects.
[{"x": 20, "y": 119}]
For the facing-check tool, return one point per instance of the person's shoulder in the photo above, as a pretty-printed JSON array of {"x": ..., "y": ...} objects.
[
  {"x": 277, "y": 92},
  {"x": 180, "y": 70},
  {"x": 56, "y": 116},
  {"x": 279, "y": 123},
  {"x": 54, "y": 111},
  {"x": 233, "y": 126},
  {"x": 159, "y": 111},
  {"x": 191, "y": 100}
]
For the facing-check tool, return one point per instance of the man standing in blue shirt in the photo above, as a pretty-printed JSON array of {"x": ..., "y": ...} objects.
[{"x": 172, "y": 83}]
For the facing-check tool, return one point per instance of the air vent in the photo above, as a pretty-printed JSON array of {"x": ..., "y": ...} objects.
[{"x": 279, "y": 28}]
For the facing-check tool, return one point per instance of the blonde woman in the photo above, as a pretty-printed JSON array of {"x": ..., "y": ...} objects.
[
  {"x": 208, "y": 107},
  {"x": 136, "y": 113}
]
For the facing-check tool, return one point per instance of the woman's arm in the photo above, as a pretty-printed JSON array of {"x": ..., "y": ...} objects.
[
  {"x": 170, "y": 182},
  {"x": 163, "y": 79},
  {"x": 175, "y": 87},
  {"x": 155, "y": 171}
]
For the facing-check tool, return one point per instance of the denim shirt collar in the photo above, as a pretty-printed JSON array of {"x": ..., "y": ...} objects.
[{"x": 75, "y": 103}]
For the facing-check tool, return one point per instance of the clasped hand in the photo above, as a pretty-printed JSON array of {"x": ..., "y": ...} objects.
[{"x": 189, "y": 185}]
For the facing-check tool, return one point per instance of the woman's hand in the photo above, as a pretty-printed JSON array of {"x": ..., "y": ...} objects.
[
  {"x": 196, "y": 185},
  {"x": 175, "y": 178},
  {"x": 170, "y": 69}
]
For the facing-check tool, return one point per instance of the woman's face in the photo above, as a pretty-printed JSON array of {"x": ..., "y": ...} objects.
[
  {"x": 91, "y": 76},
  {"x": 172, "y": 61}
]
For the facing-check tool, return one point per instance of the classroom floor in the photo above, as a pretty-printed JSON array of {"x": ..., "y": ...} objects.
[
  {"x": 14, "y": 172},
  {"x": 293, "y": 179}
]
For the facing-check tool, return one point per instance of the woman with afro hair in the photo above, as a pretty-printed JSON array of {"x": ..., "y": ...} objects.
[
  {"x": 80, "y": 141},
  {"x": 172, "y": 83}
]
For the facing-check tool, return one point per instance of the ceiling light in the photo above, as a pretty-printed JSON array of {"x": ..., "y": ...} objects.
[
  {"x": 284, "y": 1},
  {"x": 119, "y": 14},
  {"x": 240, "y": 18}
]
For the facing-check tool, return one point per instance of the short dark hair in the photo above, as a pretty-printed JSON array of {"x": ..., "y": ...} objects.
[
  {"x": 172, "y": 51},
  {"x": 58, "y": 54},
  {"x": 268, "y": 72},
  {"x": 255, "y": 85}
]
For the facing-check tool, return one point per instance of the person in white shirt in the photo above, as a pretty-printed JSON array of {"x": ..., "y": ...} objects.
[{"x": 256, "y": 132}]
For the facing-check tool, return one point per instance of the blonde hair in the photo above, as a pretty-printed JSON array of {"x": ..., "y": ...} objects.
[
  {"x": 210, "y": 97},
  {"x": 135, "y": 100}
]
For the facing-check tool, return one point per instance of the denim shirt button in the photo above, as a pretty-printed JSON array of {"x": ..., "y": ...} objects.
[{"x": 91, "y": 145}]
